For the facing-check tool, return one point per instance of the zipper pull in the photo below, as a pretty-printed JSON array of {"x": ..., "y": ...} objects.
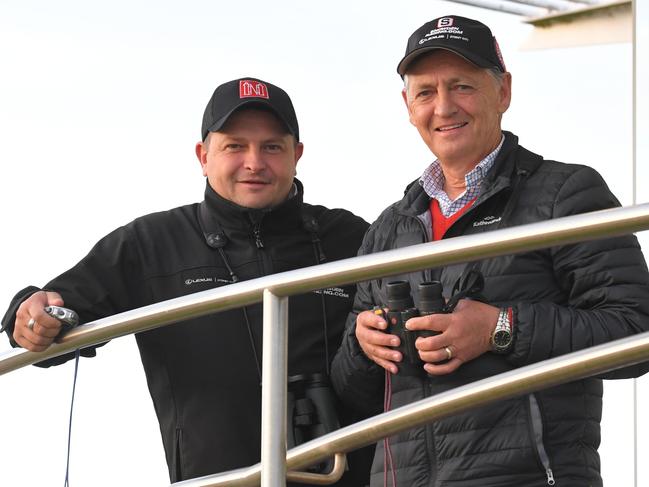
[
  {"x": 550, "y": 475},
  {"x": 257, "y": 233}
]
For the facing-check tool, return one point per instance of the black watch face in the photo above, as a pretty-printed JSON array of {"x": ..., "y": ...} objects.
[{"x": 502, "y": 338}]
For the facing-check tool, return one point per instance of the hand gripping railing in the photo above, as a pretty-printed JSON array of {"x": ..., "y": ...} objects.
[{"x": 275, "y": 289}]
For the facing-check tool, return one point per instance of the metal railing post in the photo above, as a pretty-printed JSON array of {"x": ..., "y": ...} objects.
[{"x": 273, "y": 392}]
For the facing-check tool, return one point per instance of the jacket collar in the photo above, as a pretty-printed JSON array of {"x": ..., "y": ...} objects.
[
  {"x": 416, "y": 201},
  {"x": 216, "y": 213},
  {"x": 501, "y": 174}
]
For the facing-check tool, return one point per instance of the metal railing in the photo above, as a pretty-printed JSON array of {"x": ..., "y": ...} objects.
[
  {"x": 533, "y": 377},
  {"x": 275, "y": 289}
]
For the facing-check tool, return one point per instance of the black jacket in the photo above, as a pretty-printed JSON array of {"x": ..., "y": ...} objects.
[
  {"x": 202, "y": 374},
  {"x": 564, "y": 299}
]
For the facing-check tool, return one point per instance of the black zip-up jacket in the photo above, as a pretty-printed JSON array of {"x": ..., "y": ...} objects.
[
  {"x": 564, "y": 299},
  {"x": 202, "y": 373}
]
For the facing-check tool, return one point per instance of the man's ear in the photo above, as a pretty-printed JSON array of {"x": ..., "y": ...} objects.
[
  {"x": 201, "y": 155},
  {"x": 404, "y": 95},
  {"x": 505, "y": 92},
  {"x": 299, "y": 150}
]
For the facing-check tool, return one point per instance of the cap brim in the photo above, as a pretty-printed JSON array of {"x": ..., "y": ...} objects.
[
  {"x": 218, "y": 124},
  {"x": 469, "y": 56}
]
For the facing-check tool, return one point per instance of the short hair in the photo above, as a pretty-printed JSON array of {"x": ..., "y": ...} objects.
[
  {"x": 206, "y": 142},
  {"x": 497, "y": 74}
]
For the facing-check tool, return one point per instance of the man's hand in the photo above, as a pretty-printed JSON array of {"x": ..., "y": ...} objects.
[
  {"x": 466, "y": 333},
  {"x": 42, "y": 331},
  {"x": 375, "y": 342}
]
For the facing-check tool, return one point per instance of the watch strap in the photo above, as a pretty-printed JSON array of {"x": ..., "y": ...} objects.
[{"x": 502, "y": 338}]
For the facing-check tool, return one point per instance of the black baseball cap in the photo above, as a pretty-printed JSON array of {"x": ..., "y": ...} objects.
[
  {"x": 230, "y": 96},
  {"x": 469, "y": 38}
]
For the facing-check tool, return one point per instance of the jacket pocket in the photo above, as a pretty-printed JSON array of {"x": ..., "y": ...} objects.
[{"x": 536, "y": 431}]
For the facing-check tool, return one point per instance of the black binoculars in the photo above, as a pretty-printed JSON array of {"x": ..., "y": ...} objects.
[
  {"x": 311, "y": 412},
  {"x": 401, "y": 308}
]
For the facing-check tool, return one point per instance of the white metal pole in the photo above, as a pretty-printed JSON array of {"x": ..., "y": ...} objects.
[
  {"x": 273, "y": 391},
  {"x": 634, "y": 196},
  {"x": 640, "y": 160}
]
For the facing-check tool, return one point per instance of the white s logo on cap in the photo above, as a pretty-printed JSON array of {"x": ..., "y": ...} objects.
[{"x": 445, "y": 22}]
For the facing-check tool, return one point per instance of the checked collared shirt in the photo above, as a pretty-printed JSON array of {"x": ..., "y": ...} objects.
[{"x": 432, "y": 180}]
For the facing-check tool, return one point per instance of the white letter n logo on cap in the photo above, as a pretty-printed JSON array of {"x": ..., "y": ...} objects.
[
  {"x": 445, "y": 22},
  {"x": 252, "y": 89}
]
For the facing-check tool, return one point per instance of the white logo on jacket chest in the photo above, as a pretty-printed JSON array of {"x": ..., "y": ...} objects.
[
  {"x": 189, "y": 282},
  {"x": 198, "y": 280},
  {"x": 333, "y": 291},
  {"x": 487, "y": 220}
]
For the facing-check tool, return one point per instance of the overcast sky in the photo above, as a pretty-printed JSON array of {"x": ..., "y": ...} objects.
[{"x": 100, "y": 108}]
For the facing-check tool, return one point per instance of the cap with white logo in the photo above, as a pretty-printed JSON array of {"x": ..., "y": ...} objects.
[
  {"x": 230, "y": 96},
  {"x": 469, "y": 38}
]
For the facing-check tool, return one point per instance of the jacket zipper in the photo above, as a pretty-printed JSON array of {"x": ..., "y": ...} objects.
[
  {"x": 428, "y": 434},
  {"x": 430, "y": 442},
  {"x": 427, "y": 273},
  {"x": 537, "y": 431},
  {"x": 256, "y": 231},
  {"x": 428, "y": 428},
  {"x": 264, "y": 259}
]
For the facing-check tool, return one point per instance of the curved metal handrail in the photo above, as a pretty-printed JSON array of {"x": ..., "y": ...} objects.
[
  {"x": 552, "y": 372},
  {"x": 274, "y": 290},
  {"x": 337, "y": 471},
  {"x": 571, "y": 229}
]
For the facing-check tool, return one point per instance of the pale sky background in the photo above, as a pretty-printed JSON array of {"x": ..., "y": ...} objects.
[{"x": 100, "y": 108}]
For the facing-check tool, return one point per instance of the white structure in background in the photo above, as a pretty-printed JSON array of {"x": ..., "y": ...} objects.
[
  {"x": 563, "y": 23},
  {"x": 540, "y": 8}
]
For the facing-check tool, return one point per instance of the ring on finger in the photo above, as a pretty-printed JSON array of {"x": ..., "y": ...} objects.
[
  {"x": 449, "y": 353},
  {"x": 30, "y": 323}
]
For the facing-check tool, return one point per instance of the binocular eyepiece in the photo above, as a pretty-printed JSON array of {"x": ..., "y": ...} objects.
[
  {"x": 430, "y": 297},
  {"x": 401, "y": 308}
]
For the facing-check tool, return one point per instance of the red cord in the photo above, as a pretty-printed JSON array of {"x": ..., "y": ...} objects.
[{"x": 387, "y": 452}]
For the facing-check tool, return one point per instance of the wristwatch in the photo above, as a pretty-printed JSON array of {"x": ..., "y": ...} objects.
[{"x": 502, "y": 338}]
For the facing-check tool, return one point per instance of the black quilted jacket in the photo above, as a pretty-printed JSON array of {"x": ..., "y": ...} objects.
[{"x": 564, "y": 299}]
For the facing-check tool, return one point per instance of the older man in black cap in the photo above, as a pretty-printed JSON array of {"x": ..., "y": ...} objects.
[
  {"x": 523, "y": 308},
  {"x": 204, "y": 374}
]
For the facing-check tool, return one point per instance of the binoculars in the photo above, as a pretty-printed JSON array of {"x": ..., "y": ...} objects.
[
  {"x": 311, "y": 412},
  {"x": 401, "y": 308}
]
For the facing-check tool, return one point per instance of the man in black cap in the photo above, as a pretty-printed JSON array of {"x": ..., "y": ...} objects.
[
  {"x": 204, "y": 374},
  {"x": 523, "y": 309}
]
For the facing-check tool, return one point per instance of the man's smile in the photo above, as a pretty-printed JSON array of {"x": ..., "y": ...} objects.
[
  {"x": 446, "y": 128},
  {"x": 254, "y": 181}
]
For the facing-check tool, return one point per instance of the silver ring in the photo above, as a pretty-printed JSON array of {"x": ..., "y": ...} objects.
[
  {"x": 449, "y": 353},
  {"x": 31, "y": 323}
]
